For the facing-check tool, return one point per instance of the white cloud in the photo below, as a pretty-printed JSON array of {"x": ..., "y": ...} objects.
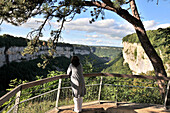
[
  {"x": 93, "y": 36},
  {"x": 152, "y": 25},
  {"x": 94, "y": 41},
  {"x": 163, "y": 25},
  {"x": 102, "y": 32},
  {"x": 106, "y": 32},
  {"x": 107, "y": 28},
  {"x": 106, "y": 42},
  {"x": 33, "y": 23}
]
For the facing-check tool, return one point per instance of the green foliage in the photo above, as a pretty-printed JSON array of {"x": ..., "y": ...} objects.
[
  {"x": 116, "y": 66},
  {"x": 87, "y": 66},
  {"x": 36, "y": 90},
  {"x": 8, "y": 41},
  {"x": 28, "y": 70},
  {"x": 110, "y": 52},
  {"x": 160, "y": 39},
  {"x": 117, "y": 89},
  {"x": 131, "y": 90},
  {"x": 118, "y": 3},
  {"x": 132, "y": 38},
  {"x": 30, "y": 48},
  {"x": 161, "y": 43},
  {"x": 14, "y": 83},
  {"x": 18, "y": 11},
  {"x": 91, "y": 59},
  {"x": 36, "y": 107}
]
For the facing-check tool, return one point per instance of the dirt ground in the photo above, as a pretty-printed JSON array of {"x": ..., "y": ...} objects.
[{"x": 113, "y": 108}]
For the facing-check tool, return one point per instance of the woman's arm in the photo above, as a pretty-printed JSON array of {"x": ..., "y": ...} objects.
[{"x": 69, "y": 71}]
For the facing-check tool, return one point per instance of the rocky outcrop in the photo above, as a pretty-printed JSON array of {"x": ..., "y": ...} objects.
[
  {"x": 14, "y": 53},
  {"x": 137, "y": 59},
  {"x": 2, "y": 56}
]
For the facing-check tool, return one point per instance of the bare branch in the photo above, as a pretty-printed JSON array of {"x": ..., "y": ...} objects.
[
  {"x": 157, "y": 2},
  {"x": 128, "y": 1},
  {"x": 121, "y": 12},
  {"x": 1, "y": 21},
  {"x": 134, "y": 9},
  {"x": 101, "y": 5},
  {"x": 57, "y": 36},
  {"x": 108, "y": 2}
]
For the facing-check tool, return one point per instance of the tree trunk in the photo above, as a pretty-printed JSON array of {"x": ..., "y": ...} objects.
[
  {"x": 143, "y": 38},
  {"x": 140, "y": 30},
  {"x": 147, "y": 46}
]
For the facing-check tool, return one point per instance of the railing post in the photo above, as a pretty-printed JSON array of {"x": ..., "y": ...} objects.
[
  {"x": 116, "y": 97},
  {"x": 100, "y": 88},
  {"x": 58, "y": 93},
  {"x": 17, "y": 102},
  {"x": 166, "y": 95}
]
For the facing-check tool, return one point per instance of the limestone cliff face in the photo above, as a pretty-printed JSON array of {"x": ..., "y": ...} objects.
[
  {"x": 13, "y": 54},
  {"x": 137, "y": 59},
  {"x": 2, "y": 56},
  {"x": 135, "y": 56}
]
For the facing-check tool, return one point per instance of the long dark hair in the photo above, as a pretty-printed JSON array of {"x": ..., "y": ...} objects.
[{"x": 75, "y": 61}]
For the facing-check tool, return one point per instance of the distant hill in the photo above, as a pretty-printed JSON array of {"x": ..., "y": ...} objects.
[
  {"x": 116, "y": 65},
  {"x": 14, "y": 65},
  {"x": 106, "y": 51}
]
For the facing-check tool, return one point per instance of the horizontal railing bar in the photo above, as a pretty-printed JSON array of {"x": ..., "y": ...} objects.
[
  {"x": 65, "y": 87},
  {"x": 38, "y": 95},
  {"x": 130, "y": 86},
  {"x": 139, "y": 82},
  {"x": 42, "y": 81},
  {"x": 7, "y": 96},
  {"x": 93, "y": 85},
  {"x": 41, "y": 89},
  {"x": 8, "y": 104},
  {"x": 11, "y": 108},
  {"x": 136, "y": 76},
  {"x": 45, "y": 80},
  {"x": 87, "y": 86}
]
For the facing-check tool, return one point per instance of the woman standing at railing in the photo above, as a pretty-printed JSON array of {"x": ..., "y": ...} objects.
[{"x": 75, "y": 71}]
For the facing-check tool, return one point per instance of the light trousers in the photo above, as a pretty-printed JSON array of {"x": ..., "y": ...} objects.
[{"x": 78, "y": 104}]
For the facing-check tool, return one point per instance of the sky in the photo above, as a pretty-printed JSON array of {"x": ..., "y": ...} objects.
[{"x": 107, "y": 32}]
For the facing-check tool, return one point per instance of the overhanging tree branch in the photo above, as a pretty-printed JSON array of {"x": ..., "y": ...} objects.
[
  {"x": 77, "y": 5},
  {"x": 140, "y": 30}
]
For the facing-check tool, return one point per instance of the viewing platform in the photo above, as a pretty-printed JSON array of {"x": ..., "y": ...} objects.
[
  {"x": 110, "y": 107},
  {"x": 105, "y": 93}
]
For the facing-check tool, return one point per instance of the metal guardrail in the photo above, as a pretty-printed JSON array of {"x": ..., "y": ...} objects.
[{"x": 17, "y": 91}]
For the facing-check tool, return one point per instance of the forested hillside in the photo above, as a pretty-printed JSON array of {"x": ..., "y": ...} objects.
[
  {"x": 99, "y": 59},
  {"x": 116, "y": 65},
  {"x": 103, "y": 51},
  {"x": 96, "y": 61},
  {"x": 159, "y": 38},
  {"x": 27, "y": 70},
  {"x": 8, "y": 41},
  {"x": 135, "y": 56}
]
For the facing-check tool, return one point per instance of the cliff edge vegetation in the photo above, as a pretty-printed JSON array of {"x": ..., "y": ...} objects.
[{"x": 160, "y": 39}]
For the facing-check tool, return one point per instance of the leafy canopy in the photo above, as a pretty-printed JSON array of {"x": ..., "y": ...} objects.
[{"x": 18, "y": 12}]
